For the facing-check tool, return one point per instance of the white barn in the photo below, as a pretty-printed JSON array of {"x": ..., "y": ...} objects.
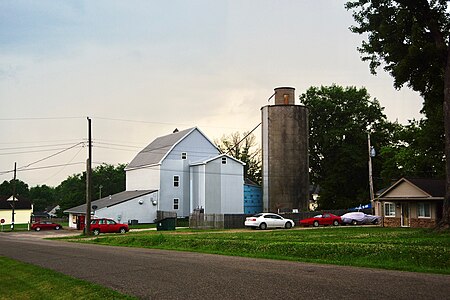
[{"x": 181, "y": 172}]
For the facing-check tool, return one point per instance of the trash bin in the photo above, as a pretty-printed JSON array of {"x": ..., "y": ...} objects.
[{"x": 166, "y": 224}]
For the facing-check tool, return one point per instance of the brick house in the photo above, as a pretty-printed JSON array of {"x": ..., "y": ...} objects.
[{"x": 411, "y": 203}]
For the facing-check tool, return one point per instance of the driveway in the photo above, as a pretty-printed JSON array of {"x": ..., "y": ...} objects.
[{"x": 157, "y": 274}]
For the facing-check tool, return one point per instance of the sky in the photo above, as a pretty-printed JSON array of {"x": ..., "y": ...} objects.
[{"x": 140, "y": 69}]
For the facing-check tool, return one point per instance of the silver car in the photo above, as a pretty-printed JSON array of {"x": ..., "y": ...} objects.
[
  {"x": 355, "y": 218},
  {"x": 268, "y": 220}
]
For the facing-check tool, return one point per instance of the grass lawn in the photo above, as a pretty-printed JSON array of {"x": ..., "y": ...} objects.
[
  {"x": 417, "y": 250},
  {"x": 24, "y": 281}
]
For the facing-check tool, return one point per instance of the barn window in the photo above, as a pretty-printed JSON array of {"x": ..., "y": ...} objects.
[
  {"x": 176, "y": 181},
  {"x": 175, "y": 203},
  {"x": 224, "y": 160},
  {"x": 183, "y": 155}
]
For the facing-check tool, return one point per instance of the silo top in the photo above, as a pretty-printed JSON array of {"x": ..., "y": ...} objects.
[{"x": 284, "y": 96}]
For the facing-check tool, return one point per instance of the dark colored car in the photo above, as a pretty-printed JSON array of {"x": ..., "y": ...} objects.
[
  {"x": 38, "y": 226},
  {"x": 324, "y": 219},
  {"x": 104, "y": 225}
]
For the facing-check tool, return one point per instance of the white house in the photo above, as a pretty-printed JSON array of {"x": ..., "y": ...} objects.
[
  {"x": 182, "y": 171},
  {"x": 23, "y": 209}
]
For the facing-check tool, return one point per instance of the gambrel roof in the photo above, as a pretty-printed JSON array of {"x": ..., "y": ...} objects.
[
  {"x": 157, "y": 150},
  {"x": 110, "y": 200}
]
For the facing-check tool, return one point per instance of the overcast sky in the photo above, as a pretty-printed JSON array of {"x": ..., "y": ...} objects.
[{"x": 139, "y": 69}]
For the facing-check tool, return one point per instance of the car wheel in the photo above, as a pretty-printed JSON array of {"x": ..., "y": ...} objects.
[
  {"x": 122, "y": 230},
  {"x": 335, "y": 223},
  {"x": 263, "y": 226},
  {"x": 288, "y": 225},
  {"x": 38, "y": 229},
  {"x": 316, "y": 224},
  {"x": 57, "y": 228},
  {"x": 96, "y": 231},
  {"x": 354, "y": 222}
]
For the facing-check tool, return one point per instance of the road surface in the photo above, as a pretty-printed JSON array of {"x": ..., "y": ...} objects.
[{"x": 158, "y": 274}]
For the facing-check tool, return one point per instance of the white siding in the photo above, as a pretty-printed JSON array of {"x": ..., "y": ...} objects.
[
  {"x": 197, "y": 148},
  {"x": 143, "y": 179},
  {"x": 141, "y": 209},
  {"x": 224, "y": 187}
]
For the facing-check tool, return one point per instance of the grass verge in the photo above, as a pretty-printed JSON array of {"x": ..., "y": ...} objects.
[
  {"x": 25, "y": 281},
  {"x": 406, "y": 249}
]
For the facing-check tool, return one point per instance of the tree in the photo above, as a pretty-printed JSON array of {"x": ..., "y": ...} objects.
[
  {"x": 413, "y": 153},
  {"x": 243, "y": 147},
  {"x": 72, "y": 191},
  {"x": 6, "y": 188},
  {"x": 339, "y": 121},
  {"x": 410, "y": 38},
  {"x": 42, "y": 197}
]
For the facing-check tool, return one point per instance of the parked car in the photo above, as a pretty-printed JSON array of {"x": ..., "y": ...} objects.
[
  {"x": 105, "y": 225},
  {"x": 324, "y": 219},
  {"x": 268, "y": 220},
  {"x": 355, "y": 218},
  {"x": 38, "y": 226}
]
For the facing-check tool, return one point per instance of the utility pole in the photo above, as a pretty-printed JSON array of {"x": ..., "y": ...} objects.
[
  {"x": 13, "y": 196},
  {"x": 87, "y": 228},
  {"x": 371, "y": 154}
]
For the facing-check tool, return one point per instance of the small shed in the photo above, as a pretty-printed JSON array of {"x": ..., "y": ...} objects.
[
  {"x": 123, "y": 207},
  {"x": 411, "y": 202},
  {"x": 252, "y": 197}
]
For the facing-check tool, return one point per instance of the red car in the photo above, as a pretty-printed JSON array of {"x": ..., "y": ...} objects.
[
  {"x": 107, "y": 226},
  {"x": 325, "y": 219},
  {"x": 45, "y": 225}
]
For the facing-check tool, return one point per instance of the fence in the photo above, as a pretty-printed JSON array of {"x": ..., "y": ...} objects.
[{"x": 200, "y": 220}]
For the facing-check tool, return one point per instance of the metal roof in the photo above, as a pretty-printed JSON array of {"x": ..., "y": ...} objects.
[
  {"x": 157, "y": 150},
  {"x": 110, "y": 200}
]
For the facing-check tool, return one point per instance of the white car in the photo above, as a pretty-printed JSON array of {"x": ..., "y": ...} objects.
[
  {"x": 359, "y": 218},
  {"x": 268, "y": 220}
]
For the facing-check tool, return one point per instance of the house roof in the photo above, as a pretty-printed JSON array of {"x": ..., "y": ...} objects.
[
  {"x": 433, "y": 188},
  {"x": 110, "y": 200},
  {"x": 19, "y": 203}
]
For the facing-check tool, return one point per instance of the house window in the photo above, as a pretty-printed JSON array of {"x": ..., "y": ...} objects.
[
  {"x": 224, "y": 160},
  {"x": 183, "y": 155},
  {"x": 423, "y": 210},
  {"x": 176, "y": 181},
  {"x": 389, "y": 209},
  {"x": 175, "y": 203}
]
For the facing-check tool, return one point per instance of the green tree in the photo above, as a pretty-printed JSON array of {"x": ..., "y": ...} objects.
[
  {"x": 108, "y": 179},
  {"x": 410, "y": 38},
  {"x": 72, "y": 191},
  {"x": 6, "y": 188},
  {"x": 243, "y": 147},
  {"x": 412, "y": 154},
  {"x": 339, "y": 122},
  {"x": 42, "y": 197}
]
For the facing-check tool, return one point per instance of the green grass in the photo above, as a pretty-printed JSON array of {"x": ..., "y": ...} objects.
[
  {"x": 417, "y": 250},
  {"x": 17, "y": 227},
  {"x": 25, "y": 281}
]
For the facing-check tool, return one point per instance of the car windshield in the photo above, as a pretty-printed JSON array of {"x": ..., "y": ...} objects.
[
  {"x": 318, "y": 216},
  {"x": 258, "y": 215}
]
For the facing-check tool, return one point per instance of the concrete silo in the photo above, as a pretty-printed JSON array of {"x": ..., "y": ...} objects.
[{"x": 285, "y": 166}]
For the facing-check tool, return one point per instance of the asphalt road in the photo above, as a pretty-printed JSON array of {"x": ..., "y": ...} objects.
[{"x": 157, "y": 274}]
